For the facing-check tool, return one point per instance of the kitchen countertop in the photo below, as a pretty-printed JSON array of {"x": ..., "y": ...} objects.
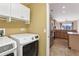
[{"x": 76, "y": 33}]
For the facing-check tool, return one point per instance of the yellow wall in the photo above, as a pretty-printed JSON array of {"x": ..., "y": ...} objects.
[
  {"x": 38, "y": 24},
  {"x": 12, "y": 27}
]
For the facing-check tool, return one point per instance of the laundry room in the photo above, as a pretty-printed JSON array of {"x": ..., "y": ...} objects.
[{"x": 21, "y": 33}]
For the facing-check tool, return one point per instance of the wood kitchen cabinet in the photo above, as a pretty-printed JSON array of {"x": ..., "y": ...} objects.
[{"x": 74, "y": 41}]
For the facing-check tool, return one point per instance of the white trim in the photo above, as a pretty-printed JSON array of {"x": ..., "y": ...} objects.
[{"x": 47, "y": 31}]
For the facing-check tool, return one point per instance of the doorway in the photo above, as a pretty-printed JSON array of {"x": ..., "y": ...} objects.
[{"x": 61, "y": 24}]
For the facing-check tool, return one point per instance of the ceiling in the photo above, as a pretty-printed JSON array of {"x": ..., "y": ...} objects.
[{"x": 64, "y": 11}]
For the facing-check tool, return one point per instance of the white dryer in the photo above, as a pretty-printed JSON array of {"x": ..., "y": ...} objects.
[{"x": 27, "y": 44}]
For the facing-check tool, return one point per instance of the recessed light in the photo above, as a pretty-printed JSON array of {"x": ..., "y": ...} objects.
[{"x": 63, "y": 7}]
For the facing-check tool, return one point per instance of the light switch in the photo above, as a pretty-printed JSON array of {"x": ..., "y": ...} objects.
[{"x": 44, "y": 30}]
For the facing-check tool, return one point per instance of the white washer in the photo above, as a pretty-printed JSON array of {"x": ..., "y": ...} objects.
[
  {"x": 7, "y": 46},
  {"x": 23, "y": 40}
]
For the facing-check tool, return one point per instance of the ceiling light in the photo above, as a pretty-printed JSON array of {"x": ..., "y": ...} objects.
[{"x": 63, "y": 7}]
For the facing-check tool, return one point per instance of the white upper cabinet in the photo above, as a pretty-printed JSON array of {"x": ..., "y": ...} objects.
[
  {"x": 4, "y": 9},
  {"x": 25, "y": 12},
  {"x": 16, "y": 11},
  {"x": 20, "y": 12}
]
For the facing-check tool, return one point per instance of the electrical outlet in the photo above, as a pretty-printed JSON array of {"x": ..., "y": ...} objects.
[{"x": 22, "y": 29}]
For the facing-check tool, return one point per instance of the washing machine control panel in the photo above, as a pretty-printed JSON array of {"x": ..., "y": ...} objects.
[{"x": 36, "y": 37}]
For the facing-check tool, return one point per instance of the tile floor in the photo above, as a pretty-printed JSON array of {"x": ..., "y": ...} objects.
[{"x": 60, "y": 48}]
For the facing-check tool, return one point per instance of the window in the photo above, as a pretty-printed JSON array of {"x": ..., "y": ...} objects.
[{"x": 67, "y": 26}]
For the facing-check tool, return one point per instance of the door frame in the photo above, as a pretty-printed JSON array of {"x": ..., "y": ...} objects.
[{"x": 47, "y": 29}]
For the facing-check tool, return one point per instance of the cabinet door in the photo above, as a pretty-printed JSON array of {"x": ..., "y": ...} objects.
[
  {"x": 20, "y": 11},
  {"x": 15, "y": 10},
  {"x": 5, "y": 9},
  {"x": 25, "y": 13},
  {"x": 74, "y": 42}
]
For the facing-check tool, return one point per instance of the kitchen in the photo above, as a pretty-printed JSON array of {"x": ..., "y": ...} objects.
[{"x": 64, "y": 30}]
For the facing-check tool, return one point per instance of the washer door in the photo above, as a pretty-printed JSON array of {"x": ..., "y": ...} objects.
[{"x": 31, "y": 49}]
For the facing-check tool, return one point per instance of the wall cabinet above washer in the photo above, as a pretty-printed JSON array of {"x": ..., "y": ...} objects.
[
  {"x": 20, "y": 12},
  {"x": 15, "y": 11},
  {"x": 4, "y": 10}
]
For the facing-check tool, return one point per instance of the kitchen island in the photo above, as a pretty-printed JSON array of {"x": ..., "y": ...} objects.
[{"x": 73, "y": 40}]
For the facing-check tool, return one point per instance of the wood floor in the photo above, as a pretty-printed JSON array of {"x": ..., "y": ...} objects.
[{"x": 60, "y": 48}]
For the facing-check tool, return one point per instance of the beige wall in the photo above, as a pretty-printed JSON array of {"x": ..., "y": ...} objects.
[
  {"x": 12, "y": 27},
  {"x": 57, "y": 24},
  {"x": 38, "y": 24}
]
